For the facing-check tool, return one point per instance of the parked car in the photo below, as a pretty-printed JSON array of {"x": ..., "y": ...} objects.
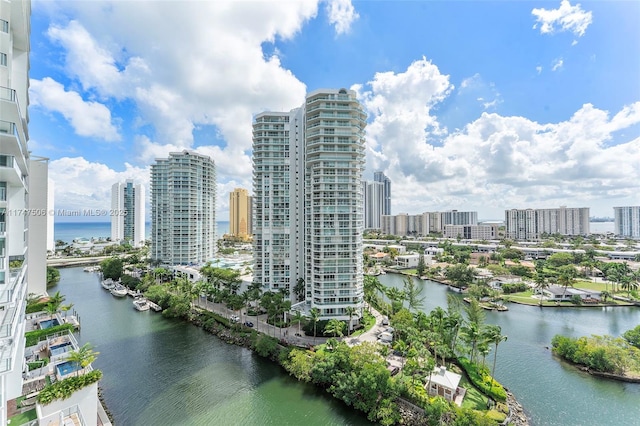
[
  {"x": 385, "y": 321},
  {"x": 234, "y": 318},
  {"x": 248, "y": 323}
]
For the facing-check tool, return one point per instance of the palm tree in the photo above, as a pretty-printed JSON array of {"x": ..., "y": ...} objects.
[
  {"x": 334, "y": 327},
  {"x": 541, "y": 284},
  {"x": 351, "y": 311},
  {"x": 566, "y": 277},
  {"x": 413, "y": 293},
  {"x": 83, "y": 356},
  {"x": 473, "y": 334},
  {"x": 493, "y": 334},
  {"x": 298, "y": 317},
  {"x": 50, "y": 309},
  {"x": 315, "y": 317}
]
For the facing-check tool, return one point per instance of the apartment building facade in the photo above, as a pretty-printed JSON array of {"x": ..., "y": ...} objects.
[
  {"x": 533, "y": 224},
  {"x": 240, "y": 215},
  {"x": 627, "y": 221},
  {"x": 308, "y": 201},
  {"x": 23, "y": 200},
  {"x": 183, "y": 195},
  {"x": 128, "y": 213}
]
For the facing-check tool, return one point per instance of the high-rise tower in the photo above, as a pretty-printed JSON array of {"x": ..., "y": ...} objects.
[
  {"x": 240, "y": 225},
  {"x": 128, "y": 213},
  {"x": 183, "y": 223},
  {"x": 308, "y": 202},
  {"x": 23, "y": 200},
  {"x": 386, "y": 192}
]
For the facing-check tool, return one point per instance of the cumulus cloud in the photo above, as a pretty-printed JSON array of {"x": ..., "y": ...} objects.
[
  {"x": 495, "y": 162},
  {"x": 341, "y": 15},
  {"x": 80, "y": 184},
  {"x": 200, "y": 64},
  {"x": 565, "y": 18},
  {"x": 539, "y": 69},
  {"x": 88, "y": 118},
  {"x": 400, "y": 108}
]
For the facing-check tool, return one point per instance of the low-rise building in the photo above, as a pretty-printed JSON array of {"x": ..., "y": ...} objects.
[{"x": 444, "y": 383}]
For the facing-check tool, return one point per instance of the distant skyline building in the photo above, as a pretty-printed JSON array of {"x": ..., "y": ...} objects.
[
  {"x": 532, "y": 224},
  {"x": 373, "y": 204},
  {"x": 240, "y": 220},
  {"x": 128, "y": 213},
  {"x": 183, "y": 218},
  {"x": 308, "y": 202},
  {"x": 386, "y": 194},
  {"x": 627, "y": 221}
]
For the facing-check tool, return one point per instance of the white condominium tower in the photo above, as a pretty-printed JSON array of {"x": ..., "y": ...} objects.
[
  {"x": 532, "y": 224},
  {"x": 127, "y": 213},
  {"x": 627, "y": 221},
  {"x": 23, "y": 200},
  {"x": 308, "y": 202},
  {"x": 183, "y": 222}
]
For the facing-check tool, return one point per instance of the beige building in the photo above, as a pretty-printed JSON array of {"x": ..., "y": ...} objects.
[
  {"x": 472, "y": 232},
  {"x": 533, "y": 224},
  {"x": 240, "y": 203}
]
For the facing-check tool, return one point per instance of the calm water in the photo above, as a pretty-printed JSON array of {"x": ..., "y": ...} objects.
[
  {"x": 68, "y": 231},
  {"x": 164, "y": 372},
  {"x": 552, "y": 392}
]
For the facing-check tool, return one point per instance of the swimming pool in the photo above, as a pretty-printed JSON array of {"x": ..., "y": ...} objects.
[
  {"x": 49, "y": 323},
  {"x": 60, "y": 349},
  {"x": 66, "y": 368}
]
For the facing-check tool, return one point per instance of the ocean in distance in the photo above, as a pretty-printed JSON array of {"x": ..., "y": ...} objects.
[{"x": 68, "y": 231}]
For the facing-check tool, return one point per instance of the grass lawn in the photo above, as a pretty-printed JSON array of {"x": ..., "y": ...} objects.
[
  {"x": 23, "y": 418},
  {"x": 473, "y": 399},
  {"x": 368, "y": 322}
]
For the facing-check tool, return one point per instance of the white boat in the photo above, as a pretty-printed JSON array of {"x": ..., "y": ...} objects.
[
  {"x": 141, "y": 304},
  {"x": 108, "y": 284},
  {"x": 119, "y": 290}
]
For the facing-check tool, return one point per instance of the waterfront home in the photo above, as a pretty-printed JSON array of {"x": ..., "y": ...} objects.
[
  {"x": 444, "y": 383},
  {"x": 560, "y": 294},
  {"x": 409, "y": 261}
]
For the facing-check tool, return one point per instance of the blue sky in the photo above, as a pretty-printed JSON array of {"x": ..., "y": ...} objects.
[{"x": 479, "y": 106}]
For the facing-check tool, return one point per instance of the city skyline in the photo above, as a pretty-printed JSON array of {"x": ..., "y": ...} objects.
[{"x": 457, "y": 117}]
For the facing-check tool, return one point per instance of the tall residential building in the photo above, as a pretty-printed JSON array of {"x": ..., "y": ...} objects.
[
  {"x": 386, "y": 195},
  {"x": 183, "y": 220},
  {"x": 404, "y": 224},
  {"x": 308, "y": 202},
  {"x": 373, "y": 204},
  {"x": 627, "y": 221},
  {"x": 128, "y": 213},
  {"x": 532, "y": 224},
  {"x": 240, "y": 220},
  {"x": 23, "y": 200}
]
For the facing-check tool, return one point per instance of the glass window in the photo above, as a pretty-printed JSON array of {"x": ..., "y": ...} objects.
[
  {"x": 4, "y": 26},
  {"x": 3, "y": 59}
]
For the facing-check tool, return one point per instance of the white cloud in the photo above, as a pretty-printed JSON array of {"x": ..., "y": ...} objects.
[
  {"x": 539, "y": 70},
  {"x": 80, "y": 184},
  {"x": 557, "y": 64},
  {"x": 201, "y": 64},
  {"x": 341, "y": 15},
  {"x": 91, "y": 119},
  {"x": 495, "y": 162},
  {"x": 565, "y": 18}
]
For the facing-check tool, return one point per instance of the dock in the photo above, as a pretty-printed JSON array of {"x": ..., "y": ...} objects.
[{"x": 153, "y": 306}]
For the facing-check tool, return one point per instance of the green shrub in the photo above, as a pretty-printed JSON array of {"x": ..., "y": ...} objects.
[
  {"x": 35, "y": 307},
  {"x": 34, "y": 337},
  {"x": 65, "y": 388},
  {"x": 483, "y": 381}
]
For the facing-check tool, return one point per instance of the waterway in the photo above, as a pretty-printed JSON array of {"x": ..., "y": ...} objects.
[
  {"x": 168, "y": 372},
  {"x": 552, "y": 392},
  {"x": 164, "y": 372}
]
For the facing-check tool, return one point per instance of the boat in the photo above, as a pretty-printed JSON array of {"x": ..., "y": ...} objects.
[
  {"x": 141, "y": 304},
  {"x": 91, "y": 269},
  {"x": 119, "y": 290},
  {"x": 108, "y": 284}
]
